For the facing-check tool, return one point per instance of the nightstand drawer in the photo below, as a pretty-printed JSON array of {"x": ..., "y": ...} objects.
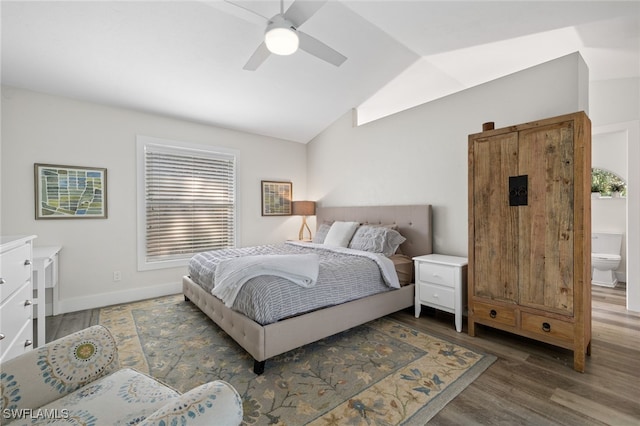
[
  {"x": 436, "y": 295},
  {"x": 436, "y": 274}
]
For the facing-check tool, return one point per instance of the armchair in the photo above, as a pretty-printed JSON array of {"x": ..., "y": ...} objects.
[{"x": 78, "y": 379}]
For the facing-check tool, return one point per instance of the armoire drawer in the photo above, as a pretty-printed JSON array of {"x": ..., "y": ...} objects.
[
  {"x": 547, "y": 327},
  {"x": 497, "y": 314}
]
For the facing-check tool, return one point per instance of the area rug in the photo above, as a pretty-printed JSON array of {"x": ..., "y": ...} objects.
[{"x": 380, "y": 373}]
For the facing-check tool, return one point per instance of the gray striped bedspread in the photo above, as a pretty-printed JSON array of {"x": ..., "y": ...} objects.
[{"x": 266, "y": 299}]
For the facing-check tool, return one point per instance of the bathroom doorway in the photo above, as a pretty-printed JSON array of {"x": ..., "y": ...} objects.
[{"x": 615, "y": 148}]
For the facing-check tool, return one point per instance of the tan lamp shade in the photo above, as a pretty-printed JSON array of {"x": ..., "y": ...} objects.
[{"x": 304, "y": 209}]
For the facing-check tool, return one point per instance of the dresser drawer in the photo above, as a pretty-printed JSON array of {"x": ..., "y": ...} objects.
[
  {"x": 21, "y": 344},
  {"x": 16, "y": 313},
  {"x": 430, "y": 294},
  {"x": 493, "y": 313},
  {"x": 547, "y": 327},
  {"x": 15, "y": 269},
  {"x": 436, "y": 274}
]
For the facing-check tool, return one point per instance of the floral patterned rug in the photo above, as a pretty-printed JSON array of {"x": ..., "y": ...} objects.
[{"x": 380, "y": 373}]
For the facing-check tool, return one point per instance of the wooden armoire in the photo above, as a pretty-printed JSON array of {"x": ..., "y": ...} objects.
[{"x": 529, "y": 268}]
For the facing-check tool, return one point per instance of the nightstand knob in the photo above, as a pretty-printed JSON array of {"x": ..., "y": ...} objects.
[
  {"x": 28, "y": 343},
  {"x": 28, "y": 302},
  {"x": 493, "y": 313},
  {"x": 27, "y": 262},
  {"x": 546, "y": 327}
]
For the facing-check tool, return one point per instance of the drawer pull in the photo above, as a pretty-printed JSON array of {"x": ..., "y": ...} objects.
[
  {"x": 27, "y": 262},
  {"x": 28, "y": 302},
  {"x": 2, "y": 336},
  {"x": 546, "y": 327},
  {"x": 28, "y": 343},
  {"x": 493, "y": 313},
  {"x": 2, "y": 281},
  {"x": 435, "y": 295}
]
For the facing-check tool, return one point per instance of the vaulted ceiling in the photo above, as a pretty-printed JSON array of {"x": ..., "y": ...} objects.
[{"x": 185, "y": 59}]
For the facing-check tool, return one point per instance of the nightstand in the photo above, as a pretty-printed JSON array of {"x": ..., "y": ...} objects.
[{"x": 441, "y": 282}]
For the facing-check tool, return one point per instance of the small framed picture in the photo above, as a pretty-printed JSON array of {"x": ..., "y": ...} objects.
[
  {"x": 70, "y": 192},
  {"x": 276, "y": 198}
]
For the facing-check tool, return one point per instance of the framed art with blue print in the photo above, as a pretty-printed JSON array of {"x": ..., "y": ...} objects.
[{"x": 70, "y": 192}]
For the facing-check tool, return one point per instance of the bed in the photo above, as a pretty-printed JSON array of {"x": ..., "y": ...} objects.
[{"x": 266, "y": 341}]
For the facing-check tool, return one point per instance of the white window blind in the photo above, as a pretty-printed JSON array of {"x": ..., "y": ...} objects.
[{"x": 190, "y": 201}]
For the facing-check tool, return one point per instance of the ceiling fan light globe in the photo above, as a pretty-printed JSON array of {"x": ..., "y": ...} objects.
[{"x": 281, "y": 41}]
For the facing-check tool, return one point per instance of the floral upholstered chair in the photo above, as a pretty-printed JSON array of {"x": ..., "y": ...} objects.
[{"x": 78, "y": 380}]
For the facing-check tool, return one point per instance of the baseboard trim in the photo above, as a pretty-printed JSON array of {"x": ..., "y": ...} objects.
[{"x": 107, "y": 299}]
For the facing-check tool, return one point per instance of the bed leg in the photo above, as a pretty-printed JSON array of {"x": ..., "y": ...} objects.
[
  {"x": 258, "y": 367},
  {"x": 186, "y": 299}
]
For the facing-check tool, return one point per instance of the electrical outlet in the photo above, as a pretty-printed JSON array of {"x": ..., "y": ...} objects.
[{"x": 117, "y": 275}]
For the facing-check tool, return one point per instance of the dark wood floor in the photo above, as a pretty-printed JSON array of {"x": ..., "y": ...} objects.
[{"x": 531, "y": 383}]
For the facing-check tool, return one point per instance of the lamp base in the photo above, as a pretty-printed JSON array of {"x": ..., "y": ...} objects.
[{"x": 304, "y": 225}]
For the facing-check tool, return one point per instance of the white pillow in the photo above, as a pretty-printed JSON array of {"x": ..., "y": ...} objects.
[{"x": 340, "y": 234}]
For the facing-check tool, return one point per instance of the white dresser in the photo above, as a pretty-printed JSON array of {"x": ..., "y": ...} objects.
[
  {"x": 441, "y": 282},
  {"x": 16, "y": 296}
]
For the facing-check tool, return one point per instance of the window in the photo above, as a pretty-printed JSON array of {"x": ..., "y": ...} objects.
[
  {"x": 186, "y": 203},
  {"x": 607, "y": 183}
]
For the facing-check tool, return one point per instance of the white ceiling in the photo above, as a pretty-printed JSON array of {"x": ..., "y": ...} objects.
[{"x": 184, "y": 58}]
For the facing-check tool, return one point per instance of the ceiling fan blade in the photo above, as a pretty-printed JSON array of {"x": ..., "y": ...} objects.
[
  {"x": 319, "y": 49},
  {"x": 301, "y": 10},
  {"x": 258, "y": 57}
]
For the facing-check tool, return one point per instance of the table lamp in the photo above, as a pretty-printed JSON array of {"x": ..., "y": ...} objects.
[{"x": 304, "y": 209}]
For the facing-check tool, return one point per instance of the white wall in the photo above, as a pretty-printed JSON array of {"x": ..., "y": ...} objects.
[
  {"x": 420, "y": 155},
  {"x": 615, "y": 108},
  {"x": 38, "y": 128}
]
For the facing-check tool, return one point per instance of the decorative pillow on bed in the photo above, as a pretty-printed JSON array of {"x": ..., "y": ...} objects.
[
  {"x": 393, "y": 226},
  {"x": 368, "y": 238},
  {"x": 321, "y": 233},
  {"x": 404, "y": 268},
  {"x": 340, "y": 233},
  {"x": 392, "y": 242},
  {"x": 376, "y": 239}
]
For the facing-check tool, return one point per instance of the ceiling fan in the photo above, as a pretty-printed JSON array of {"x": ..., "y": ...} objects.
[{"x": 282, "y": 37}]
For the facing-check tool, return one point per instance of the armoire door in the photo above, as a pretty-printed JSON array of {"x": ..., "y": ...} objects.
[
  {"x": 495, "y": 224},
  {"x": 546, "y": 243}
]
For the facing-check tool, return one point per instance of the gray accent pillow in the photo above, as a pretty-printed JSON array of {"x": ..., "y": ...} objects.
[
  {"x": 376, "y": 239},
  {"x": 321, "y": 233}
]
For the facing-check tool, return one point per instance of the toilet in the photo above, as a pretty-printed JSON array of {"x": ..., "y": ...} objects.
[{"x": 605, "y": 258}]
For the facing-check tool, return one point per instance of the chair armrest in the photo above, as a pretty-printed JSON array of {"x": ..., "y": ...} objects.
[
  {"x": 58, "y": 368},
  {"x": 215, "y": 402}
]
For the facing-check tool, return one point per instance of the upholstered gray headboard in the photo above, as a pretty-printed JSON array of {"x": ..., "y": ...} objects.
[{"x": 414, "y": 222}]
